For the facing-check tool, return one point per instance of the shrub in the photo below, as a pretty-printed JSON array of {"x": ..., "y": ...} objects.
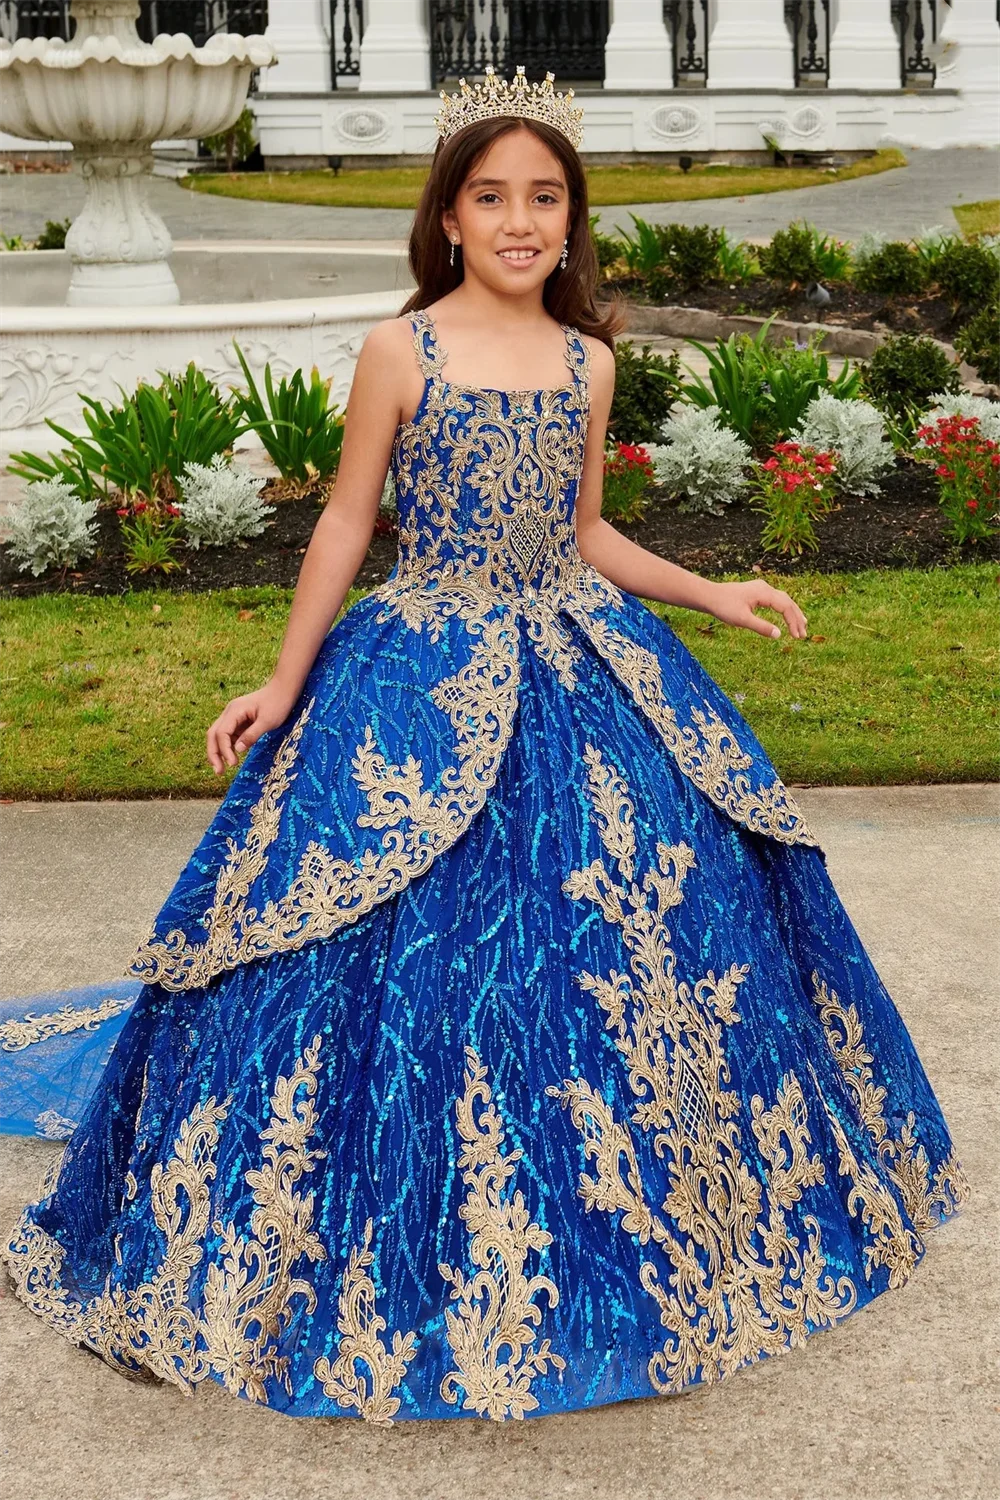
[
  {"x": 221, "y": 504},
  {"x": 646, "y": 388},
  {"x": 854, "y": 432},
  {"x": 905, "y": 372},
  {"x": 607, "y": 247},
  {"x": 791, "y": 255},
  {"x": 51, "y": 528},
  {"x": 643, "y": 250},
  {"x": 762, "y": 392},
  {"x": 53, "y": 236},
  {"x": 701, "y": 459},
  {"x": 968, "y": 468},
  {"x": 236, "y": 143},
  {"x": 151, "y": 535},
  {"x": 897, "y": 267},
  {"x": 689, "y": 256},
  {"x": 627, "y": 472},
  {"x": 833, "y": 257},
  {"x": 968, "y": 274},
  {"x": 301, "y": 431},
  {"x": 978, "y": 343},
  {"x": 963, "y": 404},
  {"x": 793, "y": 488},
  {"x": 870, "y": 243}
]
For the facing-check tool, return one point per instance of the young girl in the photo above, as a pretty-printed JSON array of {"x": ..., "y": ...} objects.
[{"x": 504, "y": 1047}]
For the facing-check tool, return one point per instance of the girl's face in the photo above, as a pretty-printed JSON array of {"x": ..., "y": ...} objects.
[{"x": 511, "y": 214}]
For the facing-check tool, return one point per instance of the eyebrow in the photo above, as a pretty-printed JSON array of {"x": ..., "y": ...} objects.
[{"x": 475, "y": 182}]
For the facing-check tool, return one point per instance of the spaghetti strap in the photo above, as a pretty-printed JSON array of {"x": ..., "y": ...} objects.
[
  {"x": 577, "y": 355},
  {"x": 430, "y": 357}
]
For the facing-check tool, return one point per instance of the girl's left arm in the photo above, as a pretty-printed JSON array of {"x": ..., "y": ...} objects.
[{"x": 640, "y": 571}]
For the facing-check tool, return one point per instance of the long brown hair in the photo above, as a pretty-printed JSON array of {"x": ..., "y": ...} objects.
[{"x": 569, "y": 295}]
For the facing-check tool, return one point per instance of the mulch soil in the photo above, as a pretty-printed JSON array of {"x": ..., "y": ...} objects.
[
  {"x": 928, "y": 313},
  {"x": 902, "y": 527}
]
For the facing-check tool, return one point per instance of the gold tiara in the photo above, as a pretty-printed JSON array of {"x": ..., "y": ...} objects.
[{"x": 495, "y": 96}]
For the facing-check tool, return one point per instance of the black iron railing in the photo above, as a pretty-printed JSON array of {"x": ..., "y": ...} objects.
[
  {"x": 347, "y": 25},
  {"x": 687, "y": 22},
  {"x": 916, "y": 22},
  {"x": 566, "y": 36},
  {"x": 809, "y": 23},
  {"x": 198, "y": 19}
]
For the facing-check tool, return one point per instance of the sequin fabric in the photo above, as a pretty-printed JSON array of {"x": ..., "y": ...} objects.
[{"x": 504, "y": 1048}]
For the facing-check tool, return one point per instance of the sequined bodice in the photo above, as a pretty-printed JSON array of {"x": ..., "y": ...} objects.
[{"x": 486, "y": 480}]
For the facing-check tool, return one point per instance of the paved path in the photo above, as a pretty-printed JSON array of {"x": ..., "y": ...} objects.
[
  {"x": 898, "y": 1403},
  {"x": 900, "y": 203}
]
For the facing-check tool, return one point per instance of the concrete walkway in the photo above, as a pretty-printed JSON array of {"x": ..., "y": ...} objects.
[
  {"x": 900, "y": 203},
  {"x": 898, "y": 1403}
]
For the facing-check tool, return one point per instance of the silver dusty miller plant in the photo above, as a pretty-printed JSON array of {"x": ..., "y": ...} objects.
[
  {"x": 963, "y": 404},
  {"x": 220, "y": 504},
  {"x": 702, "y": 460},
  {"x": 51, "y": 528},
  {"x": 855, "y": 432}
]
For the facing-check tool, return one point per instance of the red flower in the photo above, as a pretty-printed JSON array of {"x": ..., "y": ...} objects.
[
  {"x": 122, "y": 510},
  {"x": 972, "y": 504},
  {"x": 172, "y": 510}
]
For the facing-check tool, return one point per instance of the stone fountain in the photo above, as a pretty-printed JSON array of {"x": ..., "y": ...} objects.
[{"x": 112, "y": 96}]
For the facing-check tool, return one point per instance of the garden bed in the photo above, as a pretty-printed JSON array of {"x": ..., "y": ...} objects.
[{"x": 901, "y": 528}]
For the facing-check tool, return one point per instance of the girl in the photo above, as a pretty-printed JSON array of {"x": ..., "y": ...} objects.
[{"x": 504, "y": 1047}]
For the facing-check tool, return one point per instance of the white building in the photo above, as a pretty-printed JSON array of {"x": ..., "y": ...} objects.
[{"x": 360, "y": 78}]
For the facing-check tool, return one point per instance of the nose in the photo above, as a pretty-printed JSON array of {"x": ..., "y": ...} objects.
[{"x": 519, "y": 219}]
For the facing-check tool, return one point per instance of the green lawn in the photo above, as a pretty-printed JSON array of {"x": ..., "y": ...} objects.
[
  {"x": 979, "y": 218},
  {"x": 897, "y": 682},
  {"x": 400, "y": 187}
]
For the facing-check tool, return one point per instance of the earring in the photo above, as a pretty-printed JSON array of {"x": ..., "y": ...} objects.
[
  {"x": 451, "y": 260},
  {"x": 565, "y": 254}
]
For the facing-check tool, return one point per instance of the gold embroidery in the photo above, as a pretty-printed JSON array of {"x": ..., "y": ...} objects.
[
  {"x": 493, "y": 1328},
  {"x": 708, "y": 755},
  {"x": 327, "y": 893},
  {"x": 904, "y": 1158},
  {"x": 17, "y": 1034},
  {"x": 359, "y": 1325},
  {"x": 247, "y": 1300},
  {"x": 153, "y": 1328},
  {"x": 727, "y": 1303}
]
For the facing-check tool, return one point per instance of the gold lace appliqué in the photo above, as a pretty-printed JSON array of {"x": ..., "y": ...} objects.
[
  {"x": 153, "y": 1328},
  {"x": 25, "y": 1031},
  {"x": 728, "y": 1301},
  {"x": 904, "y": 1158},
  {"x": 365, "y": 1373},
  {"x": 493, "y": 1326}
]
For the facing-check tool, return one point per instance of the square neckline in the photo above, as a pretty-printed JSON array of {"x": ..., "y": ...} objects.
[{"x": 576, "y": 379}]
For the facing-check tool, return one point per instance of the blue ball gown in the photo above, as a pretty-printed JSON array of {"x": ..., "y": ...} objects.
[{"x": 504, "y": 1048}]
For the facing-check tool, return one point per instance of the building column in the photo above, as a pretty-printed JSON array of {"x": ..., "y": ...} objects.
[
  {"x": 969, "y": 60},
  {"x": 864, "y": 47},
  {"x": 298, "y": 31},
  {"x": 750, "y": 46},
  {"x": 395, "y": 49},
  {"x": 637, "y": 54}
]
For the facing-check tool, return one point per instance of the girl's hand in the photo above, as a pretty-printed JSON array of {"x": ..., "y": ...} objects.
[
  {"x": 242, "y": 722},
  {"x": 734, "y": 604}
]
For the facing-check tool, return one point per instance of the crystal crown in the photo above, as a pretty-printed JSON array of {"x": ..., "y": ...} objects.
[{"x": 495, "y": 96}]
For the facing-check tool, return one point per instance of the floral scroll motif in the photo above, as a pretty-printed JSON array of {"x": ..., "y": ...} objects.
[
  {"x": 493, "y": 1327},
  {"x": 740, "y": 1283},
  {"x": 904, "y": 1158},
  {"x": 16, "y": 1035}
]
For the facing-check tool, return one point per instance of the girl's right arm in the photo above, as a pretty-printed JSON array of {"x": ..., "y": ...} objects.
[{"x": 336, "y": 550}]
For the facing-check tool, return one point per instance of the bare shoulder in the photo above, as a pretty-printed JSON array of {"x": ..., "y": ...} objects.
[
  {"x": 602, "y": 362},
  {"x": 385, "y": 341}
]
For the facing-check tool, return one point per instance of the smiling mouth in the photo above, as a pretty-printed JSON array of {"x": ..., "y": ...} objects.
[{"x": 519, "y": 256}]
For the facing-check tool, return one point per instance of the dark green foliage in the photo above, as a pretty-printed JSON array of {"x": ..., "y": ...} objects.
[
  {"x": 645, "y": 390},
  {"x": 896, "y": 268},
  {"x": 969, "y": 274},
  {"x": 53, "y": 236},
  {"x": 689, "y": 256},
  {"x": 905, "y": 372},
  {"x": 791, "y": 255},
  {"x": 607, "y": 247},
  {"x": 978, "y": 343}
]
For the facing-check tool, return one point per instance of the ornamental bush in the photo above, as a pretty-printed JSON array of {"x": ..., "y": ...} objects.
[
  {"x": 978, "y": 342},
  {"x": 702, "y": 460},
  {"x": 646, "y": 387},
  {"x": 854, "y": 431},
  {"x": 51, "y": 528},
  {"x": 221, "y": 505},
  {"x": 791, "y": 255},
  {"x": 968, "y": 273},
  {"x": 905, "y": 372},
  {"x": 962, "y": 404},
  {"x": 897, "y": 267}
]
